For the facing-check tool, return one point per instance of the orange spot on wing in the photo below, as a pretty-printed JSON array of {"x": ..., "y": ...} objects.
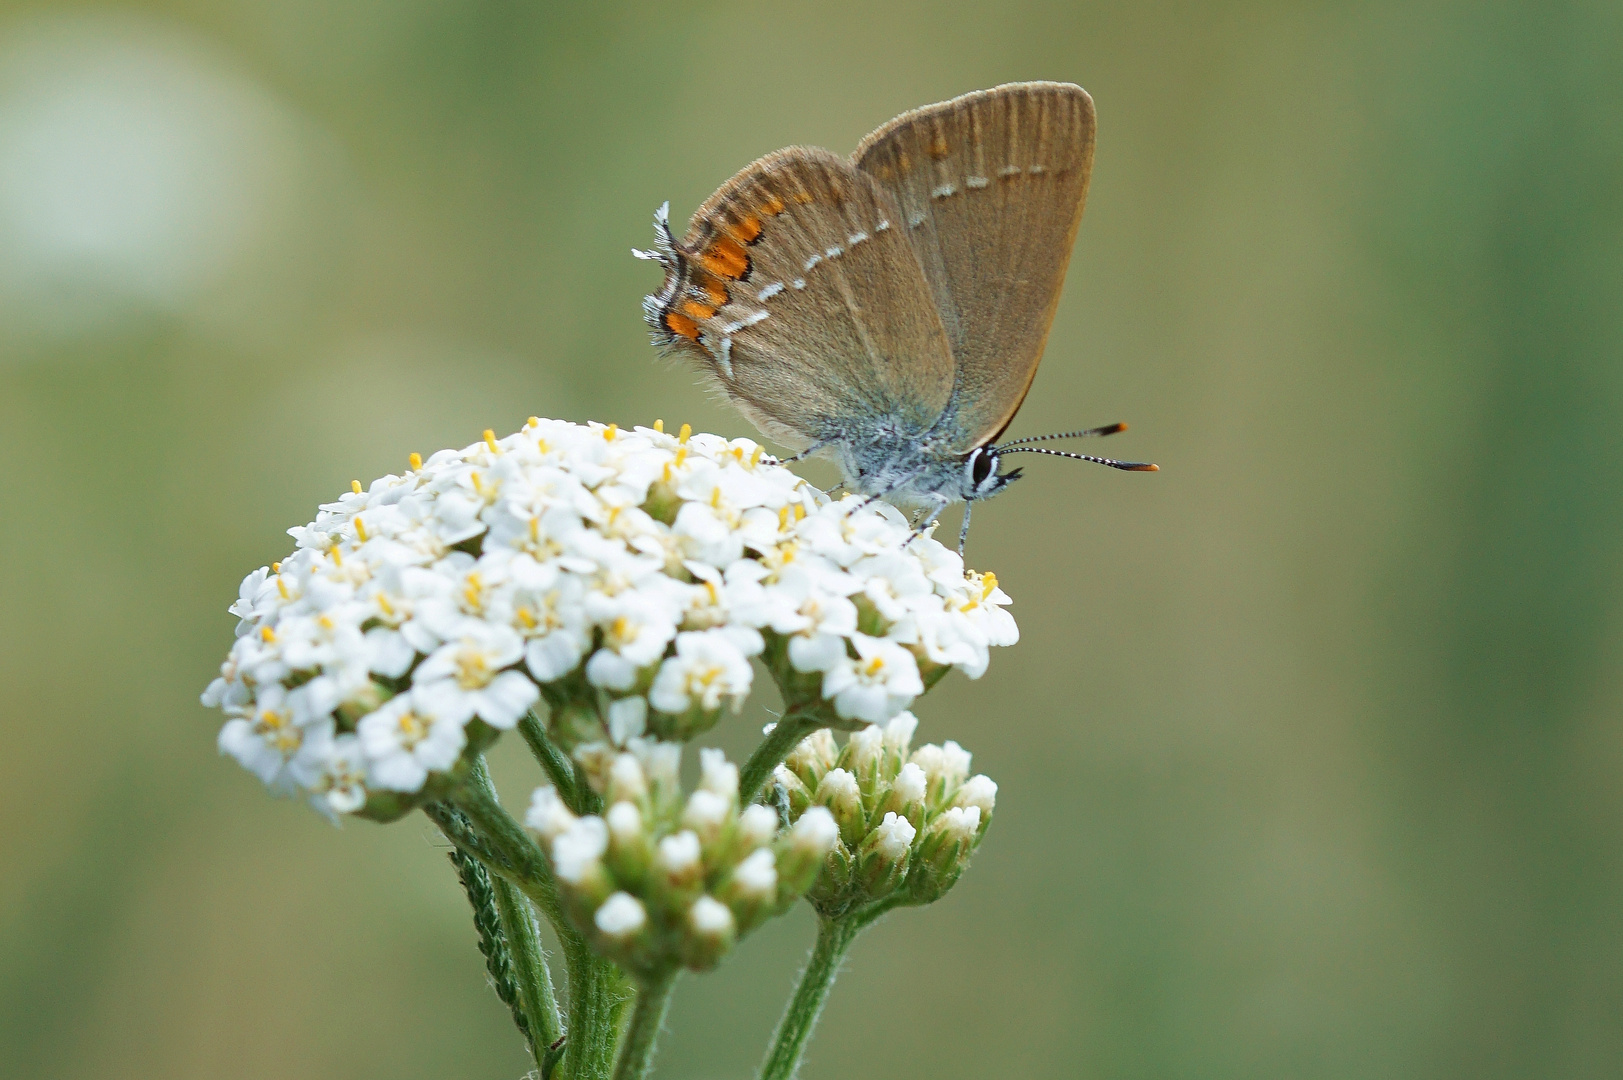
[
  {"x": 804, "y": 197},
  {"x": 698, "y": 311},
  {"x": 725, "y": 257},
  {"x": 772, "y": 207},
  {"x": 938, "y": 146},
  {"x": 682, "y": 326},
  {"x": 714, "y": 291},
  {"x": 746, "y": 231},
  {"x": 904, "y": 164}
]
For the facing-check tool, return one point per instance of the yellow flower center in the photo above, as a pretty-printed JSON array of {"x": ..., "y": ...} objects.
[
  {"x": 413, "y": 729},
  {"x": 472, "y": 669}
]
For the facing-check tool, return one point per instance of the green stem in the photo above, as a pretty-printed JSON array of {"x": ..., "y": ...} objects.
[
  {"x": 529, "y": 962},
  {"x": 516, "y": 857},
  {"x": 595, "y": 1001},
  {"x": 523, "y": 940},
  {"x": 867, "y": 916},
  {"x": 653, "y": 1000},
  {"x": 770, "y": 754},
  {"x": 595, "y": 996},
  {"x": 559, "y": 769},
  {"x": 834, "y": 937}
]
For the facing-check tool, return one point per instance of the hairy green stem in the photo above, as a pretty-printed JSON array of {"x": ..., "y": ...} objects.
[
  {"x": 637, "y": 1052},
  {"x": 773, "y": 749},
  {"x": 834, "y": 937},
  {"x": 596, "y": 998},
  {"x": 522, "y": 940},
  {"x": 596, "y": 987},
  {"x": 559, "y": 769},
  {"x": 516, "y": 857},
  {"x": 529, "y": 965}
]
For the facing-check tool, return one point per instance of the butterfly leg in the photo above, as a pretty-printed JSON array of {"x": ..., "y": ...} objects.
[
  {"x": 929, "y": 519},
  {"x": 806, "y": 453},
  {"x": 963, "y": 533}
]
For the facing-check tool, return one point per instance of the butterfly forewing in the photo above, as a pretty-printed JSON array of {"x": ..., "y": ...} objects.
[
  {"x": 990, "y": 188},
  {"x": 797, "y": 290}
]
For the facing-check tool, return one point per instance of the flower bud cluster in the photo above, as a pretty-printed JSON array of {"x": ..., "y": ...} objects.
[
  {"x": 908, "y": 819},
  {"x": 625, "y": 577},
  {"x": 659, "y": 881}
]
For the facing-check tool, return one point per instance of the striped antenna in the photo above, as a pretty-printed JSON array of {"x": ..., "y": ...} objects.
[
  {"x": 1125, "y": 466},
  {"x": 1108, "y": 429}
]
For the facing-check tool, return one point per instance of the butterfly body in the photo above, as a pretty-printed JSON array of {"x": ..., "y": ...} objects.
[{"x": 888, "y": 310}]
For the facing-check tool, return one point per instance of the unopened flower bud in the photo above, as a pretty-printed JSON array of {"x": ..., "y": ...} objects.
[
  {"x": 752, "y": 890},
  {"x": 757, "y": 876},
  {"x": 893, "y": 838},
  {"x": 899, "y": 733},
  {"x": 621, "y": 917},
  {"x": 944, "y": 852},
  {"x": 626, "y": 781},
  {"x": 577, "y": 855},
  {"x": 711, "y": 932},
  {"x": 809, "y": 841},
  {"x": 548, "y": 817},
  {"x": 957, "y": 824},
  {"x": 865, "y": 755},
  {"x": 757, "y": 825},
  {"x": 839, "y": 792},
  {"x": 946, "y": 766},
  {"x": 624, "y": 821},
  {"x": 813, "y": 756},
  {"x": 677, "y": 859},
  {"x": 816, "y": 831},
  {"x": 980, "y": 792},
  {"x": 794, "y": 788},
  {"x": 628, "y": 844},
  {"x": 907, "y": 794},
  {"x": 706, "y": 814},
  {"x": 661, "y": 765},
  {"x": 627, "y": 719},
  {"x": 882, "y": 859},
  {"x": 717, "y": 774}
]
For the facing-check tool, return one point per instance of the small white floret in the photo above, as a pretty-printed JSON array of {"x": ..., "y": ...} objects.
[
  {"x": 978, "y": 791},
  {"x": 716, "y": 773},
  {"x": 911, "y": 784},
  {"x": 679, "y": 853},
  {"x": 548, "y": 817},
  {"x": 625, "y": 823},
  {"x": 621, "y": 916},
  {"x": 577, "y": 851},
  {"x": 757, "y": 875},
  {"x": 758, "y": 824},
  {"x": 816, "y": 831},
  {"x": 710, "y": 918},
  {"x": 894, "y": 836},
  {"x": 959, "y": 822}
]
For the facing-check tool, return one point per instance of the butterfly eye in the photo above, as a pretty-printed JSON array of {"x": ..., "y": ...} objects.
[{"x": 981, "y": 467}]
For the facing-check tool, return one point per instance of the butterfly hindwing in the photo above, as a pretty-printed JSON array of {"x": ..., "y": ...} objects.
[
  {"x": 797, "y": 290},
  {"x": 990, "y": 187}
]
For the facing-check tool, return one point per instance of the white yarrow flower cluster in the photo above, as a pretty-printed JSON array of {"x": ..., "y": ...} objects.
[
  {"x": 628, "y": 578},
  {"x": 908, "y": 819},
  {"x": 661, "y": 880}
]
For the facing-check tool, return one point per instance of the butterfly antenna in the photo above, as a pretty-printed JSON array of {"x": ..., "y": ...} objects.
[
  {"x": 1108, "y": 429},
  {"x": 1125, "y": 466}
]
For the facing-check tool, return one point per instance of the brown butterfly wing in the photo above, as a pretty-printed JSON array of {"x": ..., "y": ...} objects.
[
  {"x": 991, "y": 187},
  {"x": 796, "y": 289}
]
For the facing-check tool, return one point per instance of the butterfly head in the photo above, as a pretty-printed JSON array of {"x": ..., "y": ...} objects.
[{"x": 981, "y": 477}]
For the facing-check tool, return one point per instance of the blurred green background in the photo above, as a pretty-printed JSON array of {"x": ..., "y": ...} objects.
[{"x": 1311, "y": 754}]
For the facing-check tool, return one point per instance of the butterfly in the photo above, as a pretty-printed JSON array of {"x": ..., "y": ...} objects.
[{"x": 889, "y": 309}]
